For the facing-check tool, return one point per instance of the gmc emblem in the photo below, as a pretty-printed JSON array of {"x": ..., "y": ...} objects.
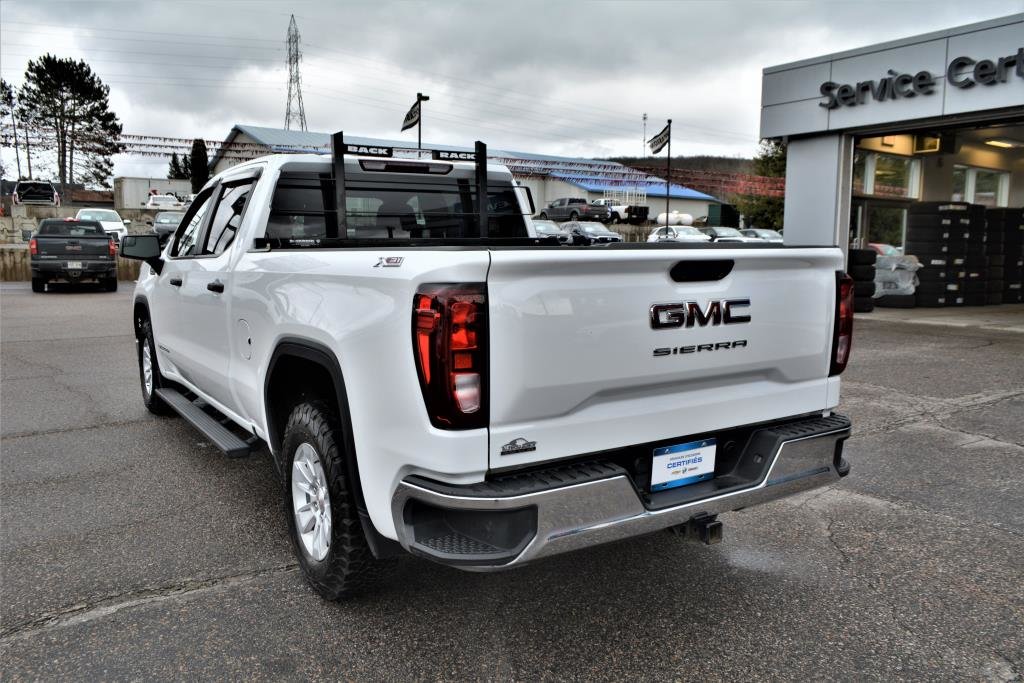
[{"x": 689, "y": 313}]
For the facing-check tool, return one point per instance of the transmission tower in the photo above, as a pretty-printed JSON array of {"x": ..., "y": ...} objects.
[{"x": 295, "y": 112}]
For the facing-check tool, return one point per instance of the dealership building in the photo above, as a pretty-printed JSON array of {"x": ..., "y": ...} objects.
[
  {"x": 548, "y": 177},
  {"x": 871, "y": 131}
]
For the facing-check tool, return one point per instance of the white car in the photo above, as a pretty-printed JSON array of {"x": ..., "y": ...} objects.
[
  {"x": 164, "y": 202},
  {"x": 763, "y": 234},
  {"x": 111, "y": 221},
  {"x": 428, "y": 379},
  {"x": 722, "y": 234},
  {"x": 677, "y": 233}
]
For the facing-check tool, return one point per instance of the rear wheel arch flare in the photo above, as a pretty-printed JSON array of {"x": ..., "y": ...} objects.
[{"x": 285, "y": 384}]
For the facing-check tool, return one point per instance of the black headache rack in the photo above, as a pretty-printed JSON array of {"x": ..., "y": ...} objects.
[
  {"x": 381, "y": 158},
  {"x": 340, "y": 149}
]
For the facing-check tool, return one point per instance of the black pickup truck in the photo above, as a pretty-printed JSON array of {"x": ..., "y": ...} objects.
[{"x": 72, "y": 251}]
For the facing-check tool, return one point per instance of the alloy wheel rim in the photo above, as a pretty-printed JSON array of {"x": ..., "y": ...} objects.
[
  {"x": 147, "y": 368},
  {"x": 311, "y": 502}
]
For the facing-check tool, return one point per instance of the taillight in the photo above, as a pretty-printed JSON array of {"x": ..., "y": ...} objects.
[
  {"x": 449, "y": 329},
  {"x": 842, "y": 337},
  {"x": 33, "y": 247},
  {"x": 113, "y": 248}
]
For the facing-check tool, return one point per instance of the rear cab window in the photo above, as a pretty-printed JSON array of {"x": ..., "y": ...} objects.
[
  {"x": 395, "y": 207},
  {"x": 71, "y": 229}
]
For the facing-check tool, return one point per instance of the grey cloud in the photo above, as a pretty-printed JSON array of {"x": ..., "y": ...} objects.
[{"x": 558, "y": 77}]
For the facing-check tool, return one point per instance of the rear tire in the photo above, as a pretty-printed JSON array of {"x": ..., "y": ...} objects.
[
  {"x": 574, "y": 216},
  {"x": 332, "y": 550},
  {"x": 38, "y": 285},
  {"x": 543, "y": 216},
  {"x": 111, "y": 284},
  {"x": 149, "y": 371}
]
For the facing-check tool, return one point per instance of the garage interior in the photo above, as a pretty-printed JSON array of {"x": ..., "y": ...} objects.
[
  {"x": 980, "y": 164},
  {"x": 951, "y": 197}
]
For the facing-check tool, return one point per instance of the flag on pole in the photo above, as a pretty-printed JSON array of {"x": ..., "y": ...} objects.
[
  {"x": 659, "y": 141},
  {"x": 413, "y": 117}
]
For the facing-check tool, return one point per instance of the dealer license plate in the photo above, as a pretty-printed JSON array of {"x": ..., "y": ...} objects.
[
  {"x": 74, "y": 265},
  {"x": 682, "y": 464}
]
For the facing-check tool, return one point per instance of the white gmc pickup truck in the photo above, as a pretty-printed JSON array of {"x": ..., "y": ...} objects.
[{"x": 430, "y": 376}]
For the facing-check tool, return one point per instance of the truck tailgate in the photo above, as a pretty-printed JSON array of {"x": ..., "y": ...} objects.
[
  {"x": 67, "y": 247},
  {"x": 577, "y": 367}
]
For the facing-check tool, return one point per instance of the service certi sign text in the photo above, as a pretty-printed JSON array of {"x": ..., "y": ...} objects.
[{"x": 962, "y": 72}]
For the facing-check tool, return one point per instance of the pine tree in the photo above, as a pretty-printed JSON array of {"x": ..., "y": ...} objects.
[
  {"x": 174, "y": 168},
  {"x": 72, "y": 117},
  {"x": 7, "y": 112},
  {"x": 200, "y": 165}
]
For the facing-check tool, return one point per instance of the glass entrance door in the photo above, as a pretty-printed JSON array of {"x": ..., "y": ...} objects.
[{"x": 878, "y": 222}]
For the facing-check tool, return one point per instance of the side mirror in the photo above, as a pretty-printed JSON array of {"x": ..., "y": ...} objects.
[
  {"x": 127, "y": 221},
  {"x": 143, "y": 248},
  {"x": 147, "y": 222}
]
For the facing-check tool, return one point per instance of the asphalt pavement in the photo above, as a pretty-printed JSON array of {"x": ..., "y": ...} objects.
[{"x": 130, "y": 548}]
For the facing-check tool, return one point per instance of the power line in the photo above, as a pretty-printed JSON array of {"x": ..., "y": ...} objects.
[
  {"x": 358, "y": 96},
  {"x": 150, "y": 53},
  {"x": 746, "y": 137},
  {"x": 295, "y": 111},
  {"x": 150, "y": 33}
]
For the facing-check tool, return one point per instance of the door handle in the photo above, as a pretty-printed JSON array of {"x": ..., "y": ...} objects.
[
  {"x": 175, "y": 281},
  {"x": 215, "y": 286}
]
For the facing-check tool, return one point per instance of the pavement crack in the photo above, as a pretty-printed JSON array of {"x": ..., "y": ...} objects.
[
  {"x": 835, "y": 544},
  {"x": 941, "y": 416},
  {"x": 98, "y": 608},
  {"x": 64, "y": 430}
]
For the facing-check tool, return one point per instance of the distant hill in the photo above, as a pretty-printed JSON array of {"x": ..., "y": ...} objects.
[{"x": 696, "y": 163}]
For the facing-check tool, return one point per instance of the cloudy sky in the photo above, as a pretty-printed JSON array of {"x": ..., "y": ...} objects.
[{"x": 562, "y": 77}]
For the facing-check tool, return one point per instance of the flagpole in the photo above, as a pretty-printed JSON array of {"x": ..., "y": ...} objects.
[
  {"x": 668, "y": 171},
  {"x": 420, "y": 99}
]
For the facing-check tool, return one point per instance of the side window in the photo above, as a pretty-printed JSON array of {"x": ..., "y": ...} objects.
[
  {"x": 186, "y": 239},
  {"x": 227, "y": 217}
]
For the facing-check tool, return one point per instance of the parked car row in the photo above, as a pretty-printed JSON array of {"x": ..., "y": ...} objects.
[
  {"x": 577, "y": 233},
  {"x": 686, "y": 233},
  {"x": 84, "y": 248}
]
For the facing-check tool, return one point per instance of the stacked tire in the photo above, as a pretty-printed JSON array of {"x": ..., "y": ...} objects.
[
  {"x": 938, "y": 234},
  {"x": 1005, "y": 232},
  {"x": 976, "y": 267},
  {"x": 862, "y": 270}
]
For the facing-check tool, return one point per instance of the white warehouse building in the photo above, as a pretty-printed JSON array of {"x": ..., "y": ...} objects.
[{"x": 548, "y": 177}]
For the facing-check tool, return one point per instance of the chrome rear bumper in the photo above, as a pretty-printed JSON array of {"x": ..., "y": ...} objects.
[{"x": 562, "y": 515}]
